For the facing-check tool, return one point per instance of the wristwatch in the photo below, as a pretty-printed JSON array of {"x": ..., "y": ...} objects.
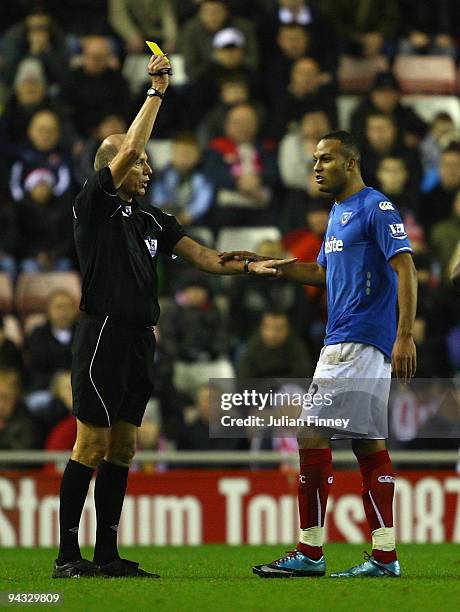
[
  {"x": 247, "y": 261},
  {"x": 155, "y": 92}
]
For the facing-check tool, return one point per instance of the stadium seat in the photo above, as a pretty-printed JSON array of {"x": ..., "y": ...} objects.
[
  {"x": 430, "y": 74},
  {"x": 427, "y": 107},
  {"x": 356, "y": 74},
  {"x": 245, "y": 238},
  {"x": 6, "y": 293},
  {"x": 32, "y": 290},
  {"x": 159, "y": 153}
]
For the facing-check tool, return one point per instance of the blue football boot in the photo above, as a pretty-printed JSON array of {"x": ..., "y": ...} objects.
[
  {"x": 371, "y": 569},
  {"x": 293, "y": 564}
]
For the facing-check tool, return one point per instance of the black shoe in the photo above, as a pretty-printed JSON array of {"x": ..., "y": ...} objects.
[
  {"x": 122, "y": 568},
  {"x": 82, "y": 568}
]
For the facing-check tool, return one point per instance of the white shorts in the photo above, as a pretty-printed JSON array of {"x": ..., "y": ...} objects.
[{"x": 359, "y": 376}]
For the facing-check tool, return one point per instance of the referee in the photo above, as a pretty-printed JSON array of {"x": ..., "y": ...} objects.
[{"x": 117, "y": 245}]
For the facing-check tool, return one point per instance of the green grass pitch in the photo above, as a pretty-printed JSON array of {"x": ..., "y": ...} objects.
[{"x": 219, "y": 578}]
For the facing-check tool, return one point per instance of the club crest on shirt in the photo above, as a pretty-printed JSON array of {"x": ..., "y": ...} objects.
[
  {"x": 345, "y": 217},
  {"x": 151, "y": 245}
]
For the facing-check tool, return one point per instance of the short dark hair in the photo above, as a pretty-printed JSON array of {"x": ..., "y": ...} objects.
[
  {"x": 348, "y": 141},
  {"x": 452, "y": 147}
]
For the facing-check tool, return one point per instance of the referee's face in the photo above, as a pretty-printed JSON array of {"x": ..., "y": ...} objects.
[
  {"x": 330, "y": 167},
  {"x": 135, "y": 183}
]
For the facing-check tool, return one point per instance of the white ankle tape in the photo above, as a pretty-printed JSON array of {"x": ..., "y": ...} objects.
[
  {"x": 313, "y": 536},
  {"x": 384, "y": 538}
]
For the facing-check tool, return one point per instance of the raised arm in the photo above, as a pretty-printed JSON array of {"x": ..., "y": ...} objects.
[
  {"x": 141, "y": 128},
  {"x": 403, "y": 358}
]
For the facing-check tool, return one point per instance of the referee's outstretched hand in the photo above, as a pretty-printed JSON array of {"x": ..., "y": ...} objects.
[
  {"x": 241, "y": 256},
  {"x": 157, "y": 67},
  {"x": 270, "y": 267}
]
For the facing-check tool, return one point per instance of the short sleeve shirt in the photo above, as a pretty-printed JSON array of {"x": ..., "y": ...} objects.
[
  {"x": 117, "y": 245},
  {"x": 364, "y": 232}
]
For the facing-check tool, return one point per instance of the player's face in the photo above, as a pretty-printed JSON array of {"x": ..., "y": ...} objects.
[
  {"x": 138, "y": 178},
  {"x": 330, "y": 167}
]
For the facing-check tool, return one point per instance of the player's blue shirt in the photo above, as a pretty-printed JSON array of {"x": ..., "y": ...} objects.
[{"x": 364, "y": 232}]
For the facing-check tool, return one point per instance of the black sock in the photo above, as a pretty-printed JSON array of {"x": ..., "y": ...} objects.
[
  {"x": 74, "y": 487},
  {"x": 109, "y": 493}
]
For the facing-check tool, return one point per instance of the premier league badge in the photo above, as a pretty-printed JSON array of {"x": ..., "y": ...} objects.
[
  {"x": 151, "y": 244},
  {"x": 345, "y": 217}
]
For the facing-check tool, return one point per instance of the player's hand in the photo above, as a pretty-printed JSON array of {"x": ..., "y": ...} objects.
[
  {"x": 157, "y": 63},
  {"x": 404, "y": 357},
  {"x": 270, "y": 267},
  {"x": 240, "y": 256}
]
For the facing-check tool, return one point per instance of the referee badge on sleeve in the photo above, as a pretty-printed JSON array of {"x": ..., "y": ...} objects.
[{"x": 151, "y": 245}]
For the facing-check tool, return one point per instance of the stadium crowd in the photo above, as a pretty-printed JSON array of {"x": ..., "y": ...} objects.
[{"x": 256, "y": 85}]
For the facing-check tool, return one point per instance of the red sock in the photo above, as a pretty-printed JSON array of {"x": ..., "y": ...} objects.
[
  {"x": 378, "y": 490},
  {"x": 315, "y": 480}
]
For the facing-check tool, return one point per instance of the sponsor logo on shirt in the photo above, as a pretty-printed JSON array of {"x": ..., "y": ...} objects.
[
  {"x": 345, "y": 217},
  {"x": 386, "y": 206},
  {"x": 151, "y": 245},
  {"x": 397, "y": 231},
  {"x": 332, "y": 245}
]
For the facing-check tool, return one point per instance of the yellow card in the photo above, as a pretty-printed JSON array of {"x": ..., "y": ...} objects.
[{"x": 154, "y": 48}]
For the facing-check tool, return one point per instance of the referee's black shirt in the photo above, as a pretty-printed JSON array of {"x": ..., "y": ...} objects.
[{"x": 117, "y": 246}]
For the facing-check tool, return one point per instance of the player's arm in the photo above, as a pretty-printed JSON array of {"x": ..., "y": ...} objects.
[
  {"x": 307, "y": 273},
  {"x": 403, "y": 358},
  {"x": 209, "y": 260},
  {"x": 141, "y": 128}
]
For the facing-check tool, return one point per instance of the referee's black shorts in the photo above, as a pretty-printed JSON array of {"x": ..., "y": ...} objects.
[{"x": 112, "y": 371}]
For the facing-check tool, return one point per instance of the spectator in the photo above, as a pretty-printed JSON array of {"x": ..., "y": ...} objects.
[
  {"x": 321, "y": 38},
  {"x": 445, "y": 236},
  {"x": 274, "y": 351},
  {"x": 393, "y": 180},
  {"x": 195, "y": 434},
  {"x": 227, "y": 60},
  {"x": 243, "y": 170},
  {"x": 194, "y": 335},
  {"x": 234, "y": 89},
  {"x": 307, "y": 91},
  {"x": 296, "y": 203},
  {"x": 136, "y": 21},
  {"x": 95, "y": 87},
  {"x": 441, "y": 133},
  {"x": 295, "y": 156},
  {"x": 44, "y": 225},
  {"x": 305, "y": 243},
  {"x": 43, "y": 150},
  {"x": 383, "y": 140},
  {"x": 250, "y": 298},
  {"x": 428, "y": 32},
  {"x": 199, "y": 31},
  {"x": 182, "y": 189},
  {"x": 63, "y": 433},
  {"x": 363, "y": 25},
  {"x": 436, "y": 205},
  {"x": 28, "y": 96},
  {"x": 292, "y": 43},
  {"x": 36, "y": 36},
  {"x": 84, "y": 164},
  {"x": 10, "y": 355},
  {"x": 18, "y": 431},
  {"x": 385, "y": 97},
  {"x": 48, "y": 348}
]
